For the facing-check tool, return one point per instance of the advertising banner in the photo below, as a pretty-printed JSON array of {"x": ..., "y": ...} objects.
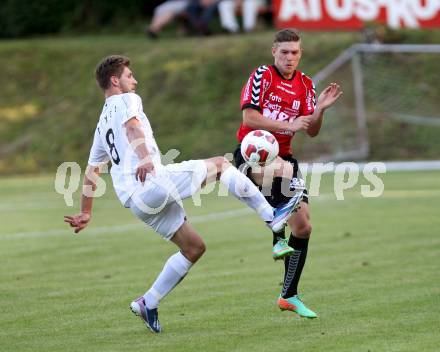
[{"x": 353, "y": 14}]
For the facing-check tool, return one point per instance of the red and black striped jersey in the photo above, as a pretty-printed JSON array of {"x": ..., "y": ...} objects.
[{"x": 277, "y": 98}]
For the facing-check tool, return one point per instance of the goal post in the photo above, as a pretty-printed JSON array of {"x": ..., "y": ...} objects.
[{"x": 391, "y": 104}]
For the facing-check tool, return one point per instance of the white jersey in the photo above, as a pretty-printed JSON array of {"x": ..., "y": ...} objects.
[{"x": 111, "y": 143}]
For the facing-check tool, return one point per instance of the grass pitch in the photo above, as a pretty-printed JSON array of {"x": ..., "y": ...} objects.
[{"x": 372, "y": 275}]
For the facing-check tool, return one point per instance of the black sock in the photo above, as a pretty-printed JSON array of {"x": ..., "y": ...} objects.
[
  {"x": 294, "y": 265},
  {"x": 280, "y": 187},
  {"x": 277, "y": 198},
  {"x": 278, "y": 236}
]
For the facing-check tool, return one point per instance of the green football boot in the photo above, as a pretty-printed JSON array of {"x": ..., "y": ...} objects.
[
  {"x": 281, "y": 249},
  {"x": 294, "y": 304}
]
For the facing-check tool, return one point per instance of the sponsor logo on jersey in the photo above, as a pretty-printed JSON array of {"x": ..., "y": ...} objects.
[
  {"x": 287, "y": 133},
  {"x": 266, "y": 84},
  {"x": 271, "y": 106},
  {"x": 288, "y": 91},
  {"x": 276, "y": 115},
  {"x": 296, "y": 104},
  {"x": 275, "y": 98}
]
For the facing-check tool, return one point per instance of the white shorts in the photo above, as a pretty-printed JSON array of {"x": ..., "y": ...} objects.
[{"x": 158, "y": 202}]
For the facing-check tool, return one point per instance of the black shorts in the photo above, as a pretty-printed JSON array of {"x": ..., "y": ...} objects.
[{"x": 274, "y": 198}]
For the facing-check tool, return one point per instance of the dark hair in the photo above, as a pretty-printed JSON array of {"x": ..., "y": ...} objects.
[
  {"x": 112, "y": 65},
  {"x": 287, "y": 35}
]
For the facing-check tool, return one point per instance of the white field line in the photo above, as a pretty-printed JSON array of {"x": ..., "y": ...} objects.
[
  {"x": 229, "y": 214},
  {"x": 123, "y": 228},
  {"x": 410, "y": 165},
  {"x": 47, "y": 204}
]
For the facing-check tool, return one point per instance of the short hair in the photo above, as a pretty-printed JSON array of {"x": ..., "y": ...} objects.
[
  {"x": 112, "y": 65},
  {"x": 286, "y": 35}
]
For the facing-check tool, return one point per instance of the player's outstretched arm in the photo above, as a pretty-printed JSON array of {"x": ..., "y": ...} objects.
[
  {"x": 81, "y": 220},
  {"x": 327, "y": 98}
]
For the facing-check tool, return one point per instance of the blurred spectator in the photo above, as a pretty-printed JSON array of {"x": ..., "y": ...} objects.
[
  {"x": 164, "y": 14},
  {"x": 249, "y": 13},
  {"x": 200, "y": 14},
  {"x": 374, "y": 34}
]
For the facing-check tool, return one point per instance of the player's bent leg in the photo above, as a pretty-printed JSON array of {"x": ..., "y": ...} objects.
[
  {"x": 282, "y": 210},
  {"x": 241, "y": 187},
  {"x": 215, "y": 166},
  {"x": 149, "y": 200},
  {"x": 175, "y": 269},
  {"x": 285, "y": 190},
  {"x": 300, "y": 223},
  {"x": 264, "y": 176},
  {"x": 246, "y": 191},
  {"x": 190, "y": 243}
]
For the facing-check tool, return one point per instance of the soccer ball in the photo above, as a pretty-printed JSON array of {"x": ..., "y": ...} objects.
[{"x": 259, "y": 148}]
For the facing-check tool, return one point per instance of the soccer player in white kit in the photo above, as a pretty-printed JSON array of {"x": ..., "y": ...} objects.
[{"x": 152, "y": 191}]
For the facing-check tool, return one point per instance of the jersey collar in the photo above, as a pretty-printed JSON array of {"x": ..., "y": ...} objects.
[{"x": 282, "y": 77}]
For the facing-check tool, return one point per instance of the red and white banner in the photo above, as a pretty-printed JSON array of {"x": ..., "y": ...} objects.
[{"x": 352, "y": 14}]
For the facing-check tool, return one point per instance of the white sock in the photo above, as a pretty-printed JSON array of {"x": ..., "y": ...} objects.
[
  {"x": 226, "y": 9},
  {"x": 250, "y": 13},
  {"x": 174, "y": 270},
  {"x": 245, "y": 191}
]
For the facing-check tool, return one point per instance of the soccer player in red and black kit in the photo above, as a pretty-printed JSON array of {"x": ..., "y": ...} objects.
[{"x": 281, "y": 99}]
